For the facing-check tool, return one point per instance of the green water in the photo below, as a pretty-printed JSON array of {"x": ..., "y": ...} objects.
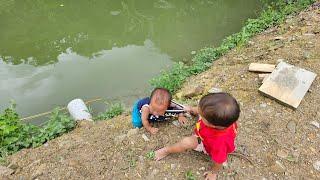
[{"x": 54, "y": 51}]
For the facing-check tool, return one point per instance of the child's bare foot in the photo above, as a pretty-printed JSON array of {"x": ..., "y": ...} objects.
[{"x": 161, "y": 153}]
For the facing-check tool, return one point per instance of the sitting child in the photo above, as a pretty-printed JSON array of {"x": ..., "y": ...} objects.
[
  {"x": 152, "y": 109},
  {"x": 215, "y": 131}
]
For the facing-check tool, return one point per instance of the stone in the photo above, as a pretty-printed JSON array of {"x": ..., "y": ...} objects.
[
  {"x": 282, "y": 153},
  {"x": 5, "y": 171},
  {"x": 215, "y": 90},
  {"x": 288, "y": 84},
  {"x": 145, "y": 137},
  {"x": 173, "y": 166},
  {"x": 176, "y": 123},
  {"x": 132, "y": 132},
  {"x": 263, "y": 105},
  {"x": 316, "y": 165},
  {"x": 306, "y": 55},
  {"x": 202, "y": 169},
  {"x": 257, "y": 67},
  {"x": 315, "y": 124},
  {"x": 291, "y": 126},
  {"x": 278, "y": 167}
]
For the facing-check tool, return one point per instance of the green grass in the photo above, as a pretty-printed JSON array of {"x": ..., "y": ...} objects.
[
  {"x": 274, "y": 14},
  {"x": 115, "y": 109}
]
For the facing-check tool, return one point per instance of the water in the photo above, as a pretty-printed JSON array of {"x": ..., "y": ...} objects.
[{"x": 54, "y": 51}]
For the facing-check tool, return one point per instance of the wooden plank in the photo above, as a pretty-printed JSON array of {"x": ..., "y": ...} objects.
[
  {"x": 263, "y": 77},
  {"x": 288, "y": 84},
  {"x": 257, "y": 67}
]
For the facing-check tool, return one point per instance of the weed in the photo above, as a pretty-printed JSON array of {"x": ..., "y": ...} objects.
[
  {"x": 114, "y": 110},
  {"x": 189, "y": 175},
  {"x": 151, "y": 155}
]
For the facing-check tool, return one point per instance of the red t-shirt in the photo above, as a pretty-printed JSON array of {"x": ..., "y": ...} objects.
[{"x": 218, "y": 143}]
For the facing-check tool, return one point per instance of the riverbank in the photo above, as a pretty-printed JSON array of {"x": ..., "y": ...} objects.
[{"x": 111, "y": 150}]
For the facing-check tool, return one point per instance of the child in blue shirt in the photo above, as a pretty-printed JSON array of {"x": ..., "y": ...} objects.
[{"x": 155, "y": 108}]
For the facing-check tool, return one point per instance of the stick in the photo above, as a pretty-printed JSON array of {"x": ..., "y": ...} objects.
[
  {"x": 237, "y": 154},
  {"x": 49, "y": 112}
]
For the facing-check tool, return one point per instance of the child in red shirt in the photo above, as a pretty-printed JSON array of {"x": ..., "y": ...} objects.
[{"x": 215, "y": 131}]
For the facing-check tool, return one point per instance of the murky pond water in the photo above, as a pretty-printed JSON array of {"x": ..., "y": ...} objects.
[{"x": 54, "y": 51}]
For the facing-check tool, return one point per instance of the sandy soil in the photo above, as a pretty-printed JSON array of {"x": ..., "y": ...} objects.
[{"x": 279, "y": 140}]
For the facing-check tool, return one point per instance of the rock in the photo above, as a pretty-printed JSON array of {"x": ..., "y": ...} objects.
[
  {"x": 291, "y": 126},
  {"x": 316, "y": 165},
  {"x": 282, "y": 153},
  {"x": 263, "y": 105},
  {"x": 202, "y": 169},
  {"x": 120, "y": 138},
  {"x": 176, "y": 123},
  {"x": 145, "y": 137},
  {"x": 5, "y": 171},
  {"x": 194, "y": 91},
  {"x": 215, "y": 90},
  {"x": 278, "y": 167},
  {"x": 173, "y": 166},
  {"x": 315, "y": 123},
  {"x": 306, "y": 55},
  {"x": 132, "y": 132}
]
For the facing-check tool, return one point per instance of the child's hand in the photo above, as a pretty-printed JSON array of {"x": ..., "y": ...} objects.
[
  {"x": 183, "y": 120},
  {"x": 210, "y": 176},
  {"x": 153, "y": 130}
]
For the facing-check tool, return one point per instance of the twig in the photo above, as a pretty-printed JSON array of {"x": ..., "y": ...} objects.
[{"x": 240, "y": 155}]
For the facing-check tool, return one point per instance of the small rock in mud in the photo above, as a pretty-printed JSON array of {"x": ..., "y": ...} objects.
[
  {"x": 214, "y": 90},
  {"x": 316, "y": 165},
  {"x": 315, "y": 123},
  {"x": 176, "y": 123},
  {"x": 145, "y": 137},
  {"x": 263, "y": 105},
  {"x": 291, "y": 126}
]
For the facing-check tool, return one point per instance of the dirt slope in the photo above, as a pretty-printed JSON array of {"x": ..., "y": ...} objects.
[{"x": 281, "y": 142}]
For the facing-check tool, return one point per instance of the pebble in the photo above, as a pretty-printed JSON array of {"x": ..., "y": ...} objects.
[
  {"x": 291, "y": 126},
  {"x": 202, "y": 169},
  {"x": 316, "y": 165},
  {"x": 173, "y": 166},
  {"x": 176, "y": 123},
  {"x": 215, "y": 90},
  {"x": 315, "y": 123},
  {"x": 263, "y": 105},
  {"x": 145, "y": 137},
  {"x": 132, "y": 132}
]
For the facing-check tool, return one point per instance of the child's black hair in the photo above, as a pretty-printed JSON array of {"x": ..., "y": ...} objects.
[
  {"x": 219, "y": 109},
  {"x": 162, "y": 95}
]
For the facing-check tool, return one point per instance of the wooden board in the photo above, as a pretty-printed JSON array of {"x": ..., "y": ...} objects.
[
  {"x": 257, "y": 67},
  {"x": 288, "y": 84}
]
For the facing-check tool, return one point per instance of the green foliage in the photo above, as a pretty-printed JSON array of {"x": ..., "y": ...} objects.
[
  {"x": 189, "y": 175},
  {"x": 114, "y": 110},
  {"x": 274, "y": 13},
  {"x": 15, "y": 135},
  {"x": 151, "y": 155}
]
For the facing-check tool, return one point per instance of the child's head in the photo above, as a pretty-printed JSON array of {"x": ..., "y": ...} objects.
[
  {"x": 219, "y": 109},
  {"x": 160, "y": 100}
]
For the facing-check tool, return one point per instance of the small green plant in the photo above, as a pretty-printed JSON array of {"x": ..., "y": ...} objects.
[
  {"x": 189, "y": 175},
  {"x": 151, "y": 155},
  {"x": 115, "y": 109},
  {"x": 16, "y": 135}
]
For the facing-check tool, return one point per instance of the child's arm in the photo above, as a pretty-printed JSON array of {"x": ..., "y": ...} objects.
[
  {"x": 212, "y": 175},
  {"x": 144, "y": 117},
  {"x": 192, "y": 110}
]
